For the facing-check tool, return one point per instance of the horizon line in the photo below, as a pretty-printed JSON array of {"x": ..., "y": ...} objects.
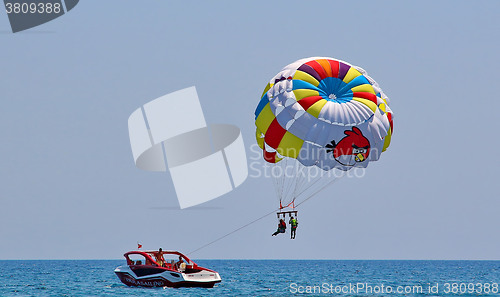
[{"x": 266, "y": 259}]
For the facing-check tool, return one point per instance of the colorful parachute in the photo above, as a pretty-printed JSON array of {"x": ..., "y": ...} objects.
[{"x": 323, "y": 112}]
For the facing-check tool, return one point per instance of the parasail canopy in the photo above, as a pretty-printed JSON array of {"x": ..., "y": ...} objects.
[{"x": 321, "y": 112}]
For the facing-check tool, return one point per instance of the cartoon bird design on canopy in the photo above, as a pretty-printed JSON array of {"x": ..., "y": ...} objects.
[{"x": 352, "y": 148}]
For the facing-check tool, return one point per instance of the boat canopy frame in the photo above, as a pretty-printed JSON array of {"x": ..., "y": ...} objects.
[{"x": 150, "y": 254}]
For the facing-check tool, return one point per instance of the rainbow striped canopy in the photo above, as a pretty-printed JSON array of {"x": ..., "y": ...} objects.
[{"x": 323, "y": 112}]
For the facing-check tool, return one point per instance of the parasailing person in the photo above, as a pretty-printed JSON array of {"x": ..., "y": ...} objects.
[
  {"x": 293, "y": 224},
  {"x": 281, "y": 227}
]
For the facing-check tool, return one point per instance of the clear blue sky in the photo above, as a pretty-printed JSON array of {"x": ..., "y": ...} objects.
[{"x": 69, "y": 188}]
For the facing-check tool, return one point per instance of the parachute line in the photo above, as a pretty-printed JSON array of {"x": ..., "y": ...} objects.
[
  {"x": 260, "y": 218},
  {"x": 234, "y": 231},
  {"x": 321, "y": 189},
  {"x": 293, "y": 181}
]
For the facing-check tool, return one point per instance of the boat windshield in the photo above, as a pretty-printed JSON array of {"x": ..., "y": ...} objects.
[
  {"x": 174, "y": 260},
  {"x": 138, "y": 259}
]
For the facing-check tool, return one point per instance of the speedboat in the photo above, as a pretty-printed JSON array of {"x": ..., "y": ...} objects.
[{"x": 164, "y": 269}]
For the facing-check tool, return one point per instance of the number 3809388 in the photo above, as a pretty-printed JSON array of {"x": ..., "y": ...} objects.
[{"x": 32, "y": 8}]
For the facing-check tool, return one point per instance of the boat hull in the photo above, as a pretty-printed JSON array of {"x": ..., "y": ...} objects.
[{"x": 167, "y": 278}]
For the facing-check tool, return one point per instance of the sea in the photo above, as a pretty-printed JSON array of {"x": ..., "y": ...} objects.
[{"x": 262, "y": 278}]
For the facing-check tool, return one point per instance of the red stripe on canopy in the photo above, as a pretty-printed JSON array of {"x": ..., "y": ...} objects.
[
  {"x": 366, "y": 95},
  {"x": 274, "y": 134},
  {"x": 269, "y": 157},
  {"x": 335, "y": 67},
  {"x": 308, "y": 101},
  {"x": 318, "y": 68}
]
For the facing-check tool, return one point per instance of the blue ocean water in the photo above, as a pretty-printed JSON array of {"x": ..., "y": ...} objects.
[{"x": 262, "y": 278}]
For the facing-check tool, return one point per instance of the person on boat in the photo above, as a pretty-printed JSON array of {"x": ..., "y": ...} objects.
[
  {"x": 281, "y": 227},
  {"x": 293, "y": 224},
  {"x": 179, "y": 263},
  {"x": 159, "y": 258}
]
